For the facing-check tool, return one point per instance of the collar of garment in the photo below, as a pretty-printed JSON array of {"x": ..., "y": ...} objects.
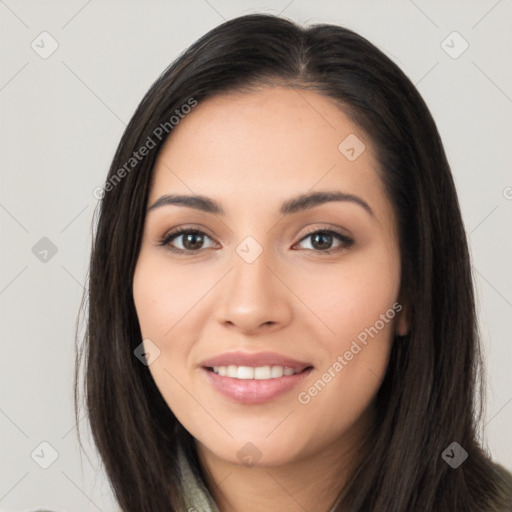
[{"x": 197, "y": 498}]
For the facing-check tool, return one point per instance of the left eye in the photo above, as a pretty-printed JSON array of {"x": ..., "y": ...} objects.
[{"x": 322, "y": 240}]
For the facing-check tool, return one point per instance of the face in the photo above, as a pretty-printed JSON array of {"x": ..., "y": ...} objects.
[{"x": 273, "y": 313}]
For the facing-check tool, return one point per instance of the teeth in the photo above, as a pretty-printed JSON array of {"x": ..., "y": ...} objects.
[
  {"x": 262, "y": 372},
  {"x": 257, "y": 373},
  {"x": 276, "y": 372}
]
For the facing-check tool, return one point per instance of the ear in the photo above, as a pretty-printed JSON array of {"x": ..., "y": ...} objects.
[{"x": 403, "y": 322}]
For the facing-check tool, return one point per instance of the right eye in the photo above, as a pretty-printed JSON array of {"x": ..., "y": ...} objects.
[{"x": 191, "y": 242}]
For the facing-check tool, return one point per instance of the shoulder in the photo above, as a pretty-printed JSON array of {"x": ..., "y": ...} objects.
[{"x": 503, "y": 481}]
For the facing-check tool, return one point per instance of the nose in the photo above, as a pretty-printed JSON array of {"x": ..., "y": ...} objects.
[{"x": 253, "y": 298}]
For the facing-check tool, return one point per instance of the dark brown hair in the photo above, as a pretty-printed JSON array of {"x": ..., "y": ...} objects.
[{"x": 428, "y": 397}]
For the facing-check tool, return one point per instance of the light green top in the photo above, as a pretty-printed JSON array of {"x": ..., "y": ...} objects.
[{"x": 197, "y": 498}]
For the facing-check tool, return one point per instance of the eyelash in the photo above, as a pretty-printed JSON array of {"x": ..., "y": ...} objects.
[{"x": 347, "y": 242}]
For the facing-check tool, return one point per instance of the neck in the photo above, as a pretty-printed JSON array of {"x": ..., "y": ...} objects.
[{"x": 312, "y": 482}]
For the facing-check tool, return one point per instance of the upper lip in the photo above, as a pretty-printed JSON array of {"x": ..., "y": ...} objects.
[{"x": 255, "y": 359}]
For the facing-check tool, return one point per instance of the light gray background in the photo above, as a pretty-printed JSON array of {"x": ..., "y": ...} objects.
[{"x": 62, "y": 118}]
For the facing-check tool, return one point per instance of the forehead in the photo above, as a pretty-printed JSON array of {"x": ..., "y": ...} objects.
[{"x": 264, "y": 146}]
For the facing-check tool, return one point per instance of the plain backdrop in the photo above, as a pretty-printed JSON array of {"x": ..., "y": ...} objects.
[{"x": 62, "y": 115}]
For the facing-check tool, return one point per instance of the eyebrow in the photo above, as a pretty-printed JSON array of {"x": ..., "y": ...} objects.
[{"x": 293, "y": 205}]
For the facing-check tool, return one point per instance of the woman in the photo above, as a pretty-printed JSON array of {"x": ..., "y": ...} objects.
[{"x": 281, "y": 312}]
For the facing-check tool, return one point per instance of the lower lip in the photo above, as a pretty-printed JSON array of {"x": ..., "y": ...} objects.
[{"x": 254, "y": 391}]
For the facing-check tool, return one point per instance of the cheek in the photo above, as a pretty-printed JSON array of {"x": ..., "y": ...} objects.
[
  {"x": 352, "y": 297},
  {"x": 357, "y": 305},
  {"x": 164, "y": 300},
  {"x": 172, "y": 304},
  {"x": 163, "y": 294}
]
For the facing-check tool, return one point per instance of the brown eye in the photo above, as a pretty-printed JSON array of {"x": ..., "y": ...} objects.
[
  {"x": 192, "y": 241},
  {"x": 185, "y": 240},
  {"x": 322, "y": 241}
]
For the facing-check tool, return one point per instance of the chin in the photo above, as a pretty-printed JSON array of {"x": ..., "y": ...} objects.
[{"x": 254, "y": 452}]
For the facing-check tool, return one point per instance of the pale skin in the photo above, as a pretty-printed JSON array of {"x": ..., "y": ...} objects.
[{"x": 250, "y": 153}]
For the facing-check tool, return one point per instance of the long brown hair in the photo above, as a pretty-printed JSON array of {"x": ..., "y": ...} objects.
[{"x": 428, "y": 397}]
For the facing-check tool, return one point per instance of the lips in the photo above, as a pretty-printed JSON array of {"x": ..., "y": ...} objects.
[{"x": 254, "y": 378}]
